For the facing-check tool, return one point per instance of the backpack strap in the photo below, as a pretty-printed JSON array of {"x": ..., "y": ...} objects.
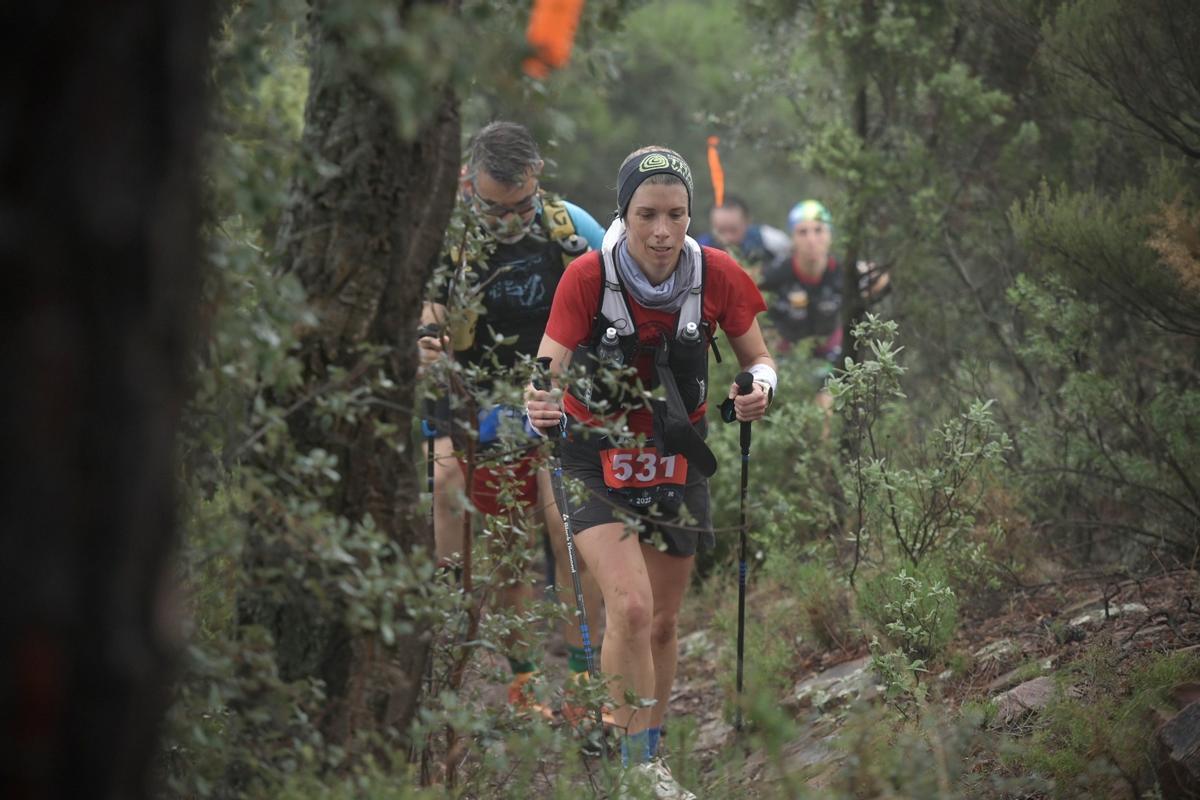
[
  {"x": 561, "y": 230},
  {"x": 613, "y": 305},
  {"x": 709, "y": 331},
  {"x": 693, "y": 306},
  {"x": 612, "y": 294}
]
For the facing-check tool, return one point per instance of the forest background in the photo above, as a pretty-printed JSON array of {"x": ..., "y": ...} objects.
[{"x": 1024, "y": 406}]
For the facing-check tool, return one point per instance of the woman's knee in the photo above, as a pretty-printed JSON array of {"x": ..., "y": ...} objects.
[
  {"x": 631, "y": 612},
  {"x": 664, "y": 628},
  {"x": 448, "y": 480}
]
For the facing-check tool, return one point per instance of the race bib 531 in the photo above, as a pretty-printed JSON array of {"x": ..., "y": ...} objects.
[{"x": 636, "y": 468}]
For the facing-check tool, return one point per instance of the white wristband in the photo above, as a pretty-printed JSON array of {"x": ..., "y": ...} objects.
[{"x": 765, "y": 375}]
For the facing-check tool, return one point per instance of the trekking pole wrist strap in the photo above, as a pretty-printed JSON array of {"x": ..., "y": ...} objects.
[{"x": 765, "y": 375}]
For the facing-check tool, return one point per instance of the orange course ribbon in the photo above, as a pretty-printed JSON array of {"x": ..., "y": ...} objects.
[
  {"x": 551, "y": 34},
  {"x": 714, "y": 167}
]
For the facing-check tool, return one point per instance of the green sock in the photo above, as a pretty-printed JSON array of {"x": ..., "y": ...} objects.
[
  {"x": 518, "y": 667},
  {"x": 577, "y": 659}
]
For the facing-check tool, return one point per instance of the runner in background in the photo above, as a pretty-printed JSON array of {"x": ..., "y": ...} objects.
[
  {"x": 753, "y": 245},
  {"x": 804, "y": 290},
  {"x": 532, "y": 238}
]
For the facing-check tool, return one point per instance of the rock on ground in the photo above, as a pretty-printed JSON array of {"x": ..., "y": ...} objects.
[
  {"x": 1025, "y": 699},
  {"x": 1179, "y": 761}
]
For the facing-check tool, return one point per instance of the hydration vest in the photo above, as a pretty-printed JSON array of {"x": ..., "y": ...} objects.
[
  {"x": 688, "y": 361},
  {"x": 561, "y": 229},
  {"x": 517, "y": 302},
  {"x": 680, "y": 366}
]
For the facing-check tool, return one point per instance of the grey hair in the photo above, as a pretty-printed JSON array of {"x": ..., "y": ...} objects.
[{"x": 506, "y": 151}]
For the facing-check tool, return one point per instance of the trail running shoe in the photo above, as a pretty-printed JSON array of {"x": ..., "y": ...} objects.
[
  {"x": 522, "y": 698},
  {"x": 656, "y": 775}
]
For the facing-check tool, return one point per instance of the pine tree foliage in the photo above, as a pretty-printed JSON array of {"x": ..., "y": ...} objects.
[
  {"x": 1133, "y": 68},
  {"x": 1176, "y": 239}
]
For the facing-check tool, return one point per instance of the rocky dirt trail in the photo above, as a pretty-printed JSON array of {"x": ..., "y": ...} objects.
[
  {"x": 1011, "y": 655},
  {"x": 1014, "y": 655}
]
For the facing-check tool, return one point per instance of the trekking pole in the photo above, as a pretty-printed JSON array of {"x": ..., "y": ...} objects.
[
  {"x": 430, "y": 452},
  {"x": 745, "y": 385},
  {"x": 430, "y": 329},
  {"x": 541, "y": 381},
  {"x": 423, "y": 331}
]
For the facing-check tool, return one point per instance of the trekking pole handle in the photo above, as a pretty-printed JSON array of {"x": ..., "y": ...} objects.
[
  {"x": 541, "y": 376},
  {"x": 541, "y": 382},
  {"x": 745, "y": 385}
]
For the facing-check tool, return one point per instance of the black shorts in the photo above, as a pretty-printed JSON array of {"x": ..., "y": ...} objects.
[{"x": 662, "y": 524}]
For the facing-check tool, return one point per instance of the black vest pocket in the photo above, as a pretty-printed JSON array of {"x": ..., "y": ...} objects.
[{"x": 689, "y": 365}]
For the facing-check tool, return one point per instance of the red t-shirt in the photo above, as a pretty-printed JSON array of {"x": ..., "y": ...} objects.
[{"x": 731, "y": 300}]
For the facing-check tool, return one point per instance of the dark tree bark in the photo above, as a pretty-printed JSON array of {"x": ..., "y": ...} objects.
[
  {"x": 854, "y": 306},
  {"x": 101, "y": 107},
  {"x": 363, "y": 235}
]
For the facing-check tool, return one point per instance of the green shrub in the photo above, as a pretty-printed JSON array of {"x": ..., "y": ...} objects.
[
  {"x": 1116, "y": 434},
  {"x": 1099, "y": 746},
  {"x": 825, "y": 602},
  {"x": 913, "y": 485},
  {"x": 931, "y": 756},
  {"x": 794, "y": 490},
  {"x": 913, "y": 608},
  {"x": 774, "y": 631}
]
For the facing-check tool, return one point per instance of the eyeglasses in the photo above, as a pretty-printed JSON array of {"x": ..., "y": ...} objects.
[{"x": 488, "y": 208}]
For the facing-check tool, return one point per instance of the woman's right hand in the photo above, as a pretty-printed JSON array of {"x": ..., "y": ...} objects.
[{"x": 543, "y": 410}]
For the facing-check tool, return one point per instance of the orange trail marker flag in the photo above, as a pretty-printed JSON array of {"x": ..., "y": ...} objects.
[
  {"x": 714, "y": 167},
  {"x": 551, "y": 34}
]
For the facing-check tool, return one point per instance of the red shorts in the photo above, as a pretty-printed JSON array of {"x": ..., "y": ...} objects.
[{"x": 499, "y": 487}]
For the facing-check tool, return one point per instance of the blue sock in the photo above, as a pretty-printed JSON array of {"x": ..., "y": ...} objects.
[
  {"x": 655, "y": 734},
  {"x": 635, "y": 748}
]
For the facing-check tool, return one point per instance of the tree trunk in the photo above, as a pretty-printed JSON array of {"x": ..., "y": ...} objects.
[
  {"x": 363, "y": 234},
  {"x": 854, "y": 306},
  {"x": 102, "y": 108}
]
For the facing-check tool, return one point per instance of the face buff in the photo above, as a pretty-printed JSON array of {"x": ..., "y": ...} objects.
[
  {"x": 667, "y": 296},
  {"x": 510, "y": 228}
]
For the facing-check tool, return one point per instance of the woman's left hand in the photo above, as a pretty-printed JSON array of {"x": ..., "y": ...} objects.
[
  {"x": 752, "y": 406},
  {"x": 543, "y": 410}
]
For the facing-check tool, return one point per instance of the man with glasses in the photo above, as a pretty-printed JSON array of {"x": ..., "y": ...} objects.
[
  {"x": 503, "y": 301},
  {"x": 753, "y": 245}
]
